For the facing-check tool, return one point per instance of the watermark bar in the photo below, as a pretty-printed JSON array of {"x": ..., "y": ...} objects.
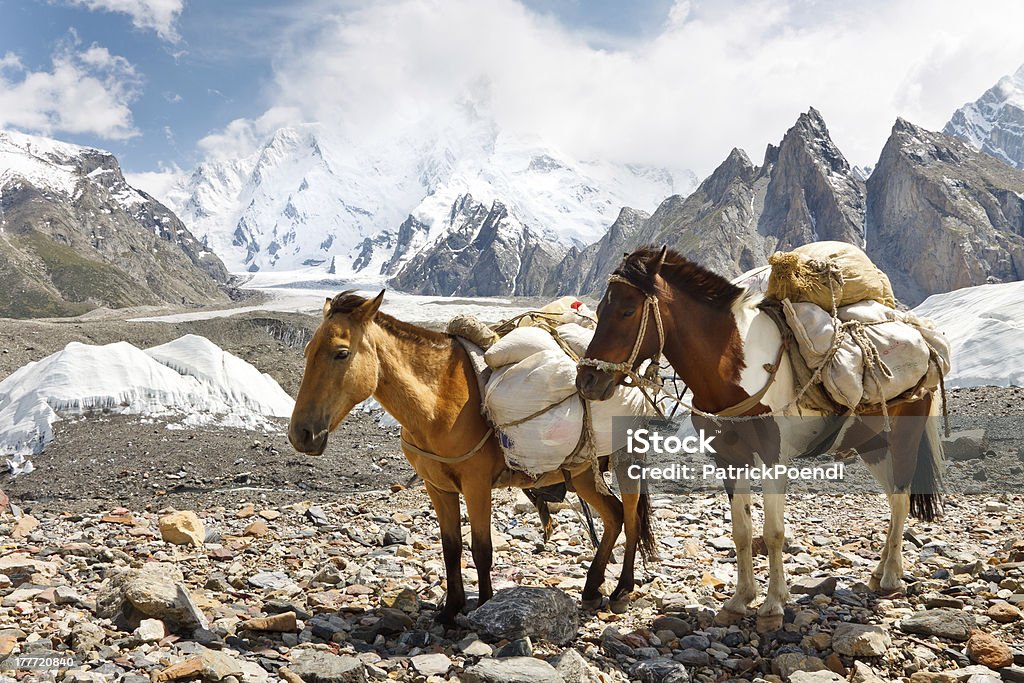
[{"x": 982, "y": 455}]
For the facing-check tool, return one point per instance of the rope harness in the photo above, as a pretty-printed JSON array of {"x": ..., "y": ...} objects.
[{"x": 451, "y": 461}]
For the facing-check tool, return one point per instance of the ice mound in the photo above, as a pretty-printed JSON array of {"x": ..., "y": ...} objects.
[{"x": 190, "y": 376}]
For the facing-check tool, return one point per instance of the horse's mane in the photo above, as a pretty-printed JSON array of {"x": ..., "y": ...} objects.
[
  {"x": 348, "y": 301},
  {"x": 682, "y": 273}
]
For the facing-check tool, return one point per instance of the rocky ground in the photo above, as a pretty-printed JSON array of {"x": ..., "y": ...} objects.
[
  {"x": 346, "y": 590},
  {"x": 286, "y": 567}
]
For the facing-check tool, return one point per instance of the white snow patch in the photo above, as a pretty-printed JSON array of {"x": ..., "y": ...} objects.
[
  {"x": 190, "y": 377},
  {"x": 985, "y": 329}
]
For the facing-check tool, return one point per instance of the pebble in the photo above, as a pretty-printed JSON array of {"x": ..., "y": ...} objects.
[{"x": 987, "y": 650}]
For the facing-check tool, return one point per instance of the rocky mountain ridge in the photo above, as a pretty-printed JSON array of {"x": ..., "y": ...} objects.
[
  {"x": 941, "y": 216},
  {"x": 75, "y": 236},
  {"x": 803, "y": 191},
  {"x": 934, "y": 213}
]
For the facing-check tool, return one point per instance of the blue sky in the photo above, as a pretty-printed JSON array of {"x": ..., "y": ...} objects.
[
  {"x": 167, "y": 83},
  {"x": 219, "y": 65}
]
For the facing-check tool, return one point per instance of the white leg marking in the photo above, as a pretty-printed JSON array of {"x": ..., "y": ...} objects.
[{"x": 775, "y": 538}]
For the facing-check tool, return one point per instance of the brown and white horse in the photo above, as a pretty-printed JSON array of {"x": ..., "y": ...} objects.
[
  {"x": 723, "y": 345},
  {"x": 426, "y": 381}
]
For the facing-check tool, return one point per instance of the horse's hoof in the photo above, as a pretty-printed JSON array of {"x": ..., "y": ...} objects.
[
  {"x": 885, "y": 588},
  {"x": 874, "y": 583},
  {"x": 591, "y": 604},
  {"x": 619, "y": 605},
  {"x": 446, "y": 618},
  {"x": 766, "y": 623},
  {"x": 728, "y": 617}
]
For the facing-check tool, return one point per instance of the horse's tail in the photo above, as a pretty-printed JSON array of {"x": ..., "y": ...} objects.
[
  {"x": 926, "y": 487},
  {"x": 645, "y": 516}
]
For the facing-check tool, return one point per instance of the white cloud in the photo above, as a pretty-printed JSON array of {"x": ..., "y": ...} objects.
[
  {"x": 717, "y": 75},
  {"x": 85, "y": 92},
  {"x": 160, "y": 16},
  {"x": 163, "y": 184},
  {"x": 241, "y": 137}
]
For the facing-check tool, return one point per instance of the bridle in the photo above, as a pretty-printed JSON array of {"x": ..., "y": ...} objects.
[{"x": 650, "y": 379}]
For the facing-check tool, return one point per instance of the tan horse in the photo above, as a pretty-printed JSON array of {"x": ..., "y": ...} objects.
[
  {"x": 723, "y": 345},
  {"x": 426, "y": 381}
]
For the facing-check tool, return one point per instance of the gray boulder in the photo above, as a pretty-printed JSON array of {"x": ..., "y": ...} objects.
[
  {"x": 158, "y": 591},
  {"x": 951, "y": 624},
  {"x": 315, "y": 666},
  {"x": 512, "y": 670},
  {"x": 520, "y": 612}
]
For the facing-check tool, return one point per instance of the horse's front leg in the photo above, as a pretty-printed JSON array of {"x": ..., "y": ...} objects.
[
  {"x": 446, "y": 506},
  {"x": 735, "y": 607},
  {"x": 619, "y": 597},
  {"x": 610, "y": 510},
  {"x": 770, "y": 613},
  {"x": 478, "y": 505}
]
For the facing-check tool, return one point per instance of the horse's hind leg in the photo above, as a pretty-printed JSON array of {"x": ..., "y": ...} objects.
[
  {"x": 895, "y": 470},
  {"x": 770, "y": 613},
  {"x": 446, "y": 506},
  {"x": 735, "y": 607},
  {"x": 888, "y": 574},
  {"x": 610, "y": 509}
]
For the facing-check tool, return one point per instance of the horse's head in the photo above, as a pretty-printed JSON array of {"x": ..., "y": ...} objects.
[
  {"x": 627, "y": 333},
  {"x": 341, "y": 371}
]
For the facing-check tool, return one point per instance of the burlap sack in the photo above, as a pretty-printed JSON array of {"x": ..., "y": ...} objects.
[{"x": 803, "y": 275}]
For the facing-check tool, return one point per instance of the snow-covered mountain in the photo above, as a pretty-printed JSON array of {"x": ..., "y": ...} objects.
[
  {"x": 310, "y": 197},
  {"x": 994, "y": 124}
]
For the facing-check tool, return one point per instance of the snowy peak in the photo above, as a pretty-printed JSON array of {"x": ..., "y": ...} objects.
[
  {"x": 482, "y": 251},
  {"x": 310, "y": 197},
  {"x": 994, "y": 123},
  {"x": 59, "y": 167}
]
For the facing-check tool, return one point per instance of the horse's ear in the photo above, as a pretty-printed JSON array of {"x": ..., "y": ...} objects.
[
  {"x": 367, "y": 310},
  {"x": 327, "y": 306},
  {"x": 657, "y": 263}
]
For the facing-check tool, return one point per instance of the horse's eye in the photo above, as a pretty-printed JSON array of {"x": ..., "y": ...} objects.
[
  {"x": 342, "y": 354},
  {"x": 629, "y": 313}
]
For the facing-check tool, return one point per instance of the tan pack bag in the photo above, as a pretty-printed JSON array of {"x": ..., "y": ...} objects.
[{"x": 803, "y": 275}]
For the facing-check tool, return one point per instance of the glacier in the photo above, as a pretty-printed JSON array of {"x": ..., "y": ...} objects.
[
  {"x": 985, "y": 329},
  {"x": 190, "y": 377}
]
